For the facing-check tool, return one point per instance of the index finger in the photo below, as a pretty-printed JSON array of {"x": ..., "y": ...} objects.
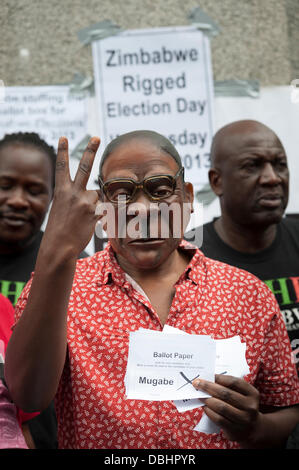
[
  {"x": 225, "y": 394},
  {"x": 225, "y": 381},
  {"x": 86, "y": 162},
  {"x": 62, "y": 171}
]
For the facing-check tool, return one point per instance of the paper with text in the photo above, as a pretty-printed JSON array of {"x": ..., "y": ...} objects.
[
  {"x": 162, "y": 366},
  {"x": 230, "y": 359}
]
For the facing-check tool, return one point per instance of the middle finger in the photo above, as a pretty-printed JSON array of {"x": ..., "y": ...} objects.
[
  {"x": 86, "y": 162},
  {"x": 234, "y": 415}
]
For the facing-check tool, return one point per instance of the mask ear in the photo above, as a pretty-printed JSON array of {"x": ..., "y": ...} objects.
[
  {"x": 215, "y": 181},
  {"x": 189, "y": 195},
  {"x": 187, "y": 205}
]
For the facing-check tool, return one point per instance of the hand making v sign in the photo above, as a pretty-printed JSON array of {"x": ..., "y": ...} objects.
[{"x": 72, "y": 218}]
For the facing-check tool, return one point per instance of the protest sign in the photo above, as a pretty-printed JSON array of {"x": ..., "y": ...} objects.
[
  {"x": 158, "y": 79},
  {"x": 50, "y": 111}
]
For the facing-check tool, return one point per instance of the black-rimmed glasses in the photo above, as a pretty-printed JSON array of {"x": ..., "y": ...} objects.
[{"x": 157, "y": 187}]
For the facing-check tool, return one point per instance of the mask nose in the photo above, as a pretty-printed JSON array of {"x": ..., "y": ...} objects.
[
  {"x": 146, "y": 213},
  {"x": 140, "y": 199}
]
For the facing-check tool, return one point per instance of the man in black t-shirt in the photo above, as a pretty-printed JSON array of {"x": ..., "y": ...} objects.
[
  {"x": 249, "y": 174},
  {"x": 277, "y": 265},
  {"x": 27, "y": 169}
]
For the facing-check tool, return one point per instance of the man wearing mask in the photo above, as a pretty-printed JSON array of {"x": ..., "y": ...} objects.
[{"x": 76, "y": 347}]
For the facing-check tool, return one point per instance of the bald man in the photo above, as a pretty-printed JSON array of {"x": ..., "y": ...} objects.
[{"x": 249, "y": 173}]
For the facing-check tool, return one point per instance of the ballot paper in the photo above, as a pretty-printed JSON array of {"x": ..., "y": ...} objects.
[
  {"x": 207, "y": 426},
  {"x": 230, "y": 354},
  {"x": 162, "y": 366},
  {"x": 230, "y": 359}
]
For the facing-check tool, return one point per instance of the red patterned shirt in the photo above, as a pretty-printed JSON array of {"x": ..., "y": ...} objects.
[{"x": 211, "y": 298}]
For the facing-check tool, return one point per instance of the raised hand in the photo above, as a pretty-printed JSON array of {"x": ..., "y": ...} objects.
[{"x": 72, "y": 217}]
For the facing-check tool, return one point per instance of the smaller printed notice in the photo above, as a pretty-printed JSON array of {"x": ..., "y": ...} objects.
[
  {"x": 50, "y": 111},
  {"x": 162, "y": 366}
]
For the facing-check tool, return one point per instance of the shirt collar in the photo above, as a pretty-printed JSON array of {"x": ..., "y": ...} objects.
[
  {"x": 108, "y": 267},
  {"x": 196, "y": 267}
]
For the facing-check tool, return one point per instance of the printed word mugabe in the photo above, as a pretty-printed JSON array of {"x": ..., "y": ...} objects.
[{"x": 155, "y": 382}]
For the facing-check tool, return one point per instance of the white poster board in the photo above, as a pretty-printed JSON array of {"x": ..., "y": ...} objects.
[
  {"x": 275, "y": 107},
  {"x": 158, "y": 79},
  {"x": 50, "y": 111}
]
